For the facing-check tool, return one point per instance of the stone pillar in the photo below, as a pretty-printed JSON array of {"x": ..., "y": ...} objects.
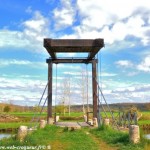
[
  {"x": 85, "y": 118},
  {"x": 42, "y": 124},
  {"x": 50, "y": 121},
  {"x": 57, "y": 118},
  {"x": 106, "y": 122},
  {"x": 22, "y": 132},
  {"x": 95, "y": 122},
  {"x": 134, "y": 134}
]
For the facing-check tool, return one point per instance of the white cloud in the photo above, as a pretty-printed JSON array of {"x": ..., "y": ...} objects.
[
  {"x": 4, "y": 62},
  {"x": 64, "y": 16},
  {"x": 31, "y": 37},
  {"x": 64, "y": 66},
  {"x": 105, "y": 74},
  {"x": 124, "y": 63},
  {"x": 144, "y": 65},
  {"x": 112, "y": 20},
  {"x": 21, "y": 90},
  {"x": 13, "y": 39}
]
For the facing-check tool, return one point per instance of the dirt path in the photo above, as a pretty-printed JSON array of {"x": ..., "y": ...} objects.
[{"x": 101, "y": 144}]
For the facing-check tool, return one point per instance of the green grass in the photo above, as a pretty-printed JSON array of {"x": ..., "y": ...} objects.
[
  {"x": 118, "y": 139},
  {"x": 57, "y": 138},
  {"x": 60, "y": 138},
  {"x": 142, "y": 122},
  {"x": 26, "y": 114},
  {"x": 13, "y": 124}
]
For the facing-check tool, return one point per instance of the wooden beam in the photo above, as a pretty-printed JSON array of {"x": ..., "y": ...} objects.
[
  {"x": 51, "y": 53},
  {"x": 57, "y": 61},
  {"x": 91, "y": 46},
  {"x": 74, "y": 42},
  {"x": 94, "y": 86},
  {"x": 49, "y": 103}
]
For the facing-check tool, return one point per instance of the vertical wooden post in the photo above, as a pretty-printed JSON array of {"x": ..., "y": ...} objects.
[
  {"x": 49, "y": 104},
  {"x": 94, "y": 84}
]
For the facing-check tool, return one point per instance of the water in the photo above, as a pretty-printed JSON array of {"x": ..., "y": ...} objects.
[
  {"x": 4, "y": 135},
  {"x": 147, "y": 136}
]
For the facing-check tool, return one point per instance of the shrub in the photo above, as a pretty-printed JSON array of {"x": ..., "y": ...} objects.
[{"x": 7, "y": 109}]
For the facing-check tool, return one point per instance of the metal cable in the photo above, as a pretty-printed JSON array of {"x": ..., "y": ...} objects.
[{"x": 39, "y": 103}]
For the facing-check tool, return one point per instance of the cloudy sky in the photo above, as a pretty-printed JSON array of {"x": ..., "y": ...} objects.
[{"x": 125, "y": 60}]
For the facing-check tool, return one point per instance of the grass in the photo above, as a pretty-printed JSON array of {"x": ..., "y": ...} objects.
[
  {"x": 142, "y": 122},
  {"x": 119, "y": 139},
  {"x": 13, "y": 124},
  {"x": 60, "y": 138},
  {"x": 57, "y": 138},
  {"x": 30, "y": 114},
  {"x": 26, "y": 114}
]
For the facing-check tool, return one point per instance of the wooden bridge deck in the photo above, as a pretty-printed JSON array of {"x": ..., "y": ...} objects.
[{"x": 72, "y": 124}]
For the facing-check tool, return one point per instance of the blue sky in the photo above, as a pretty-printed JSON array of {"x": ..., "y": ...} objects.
[{"x": 125, "y": 60}]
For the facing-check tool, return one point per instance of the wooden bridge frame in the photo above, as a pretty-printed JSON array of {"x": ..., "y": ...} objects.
[{"x": 89, "y": 46}]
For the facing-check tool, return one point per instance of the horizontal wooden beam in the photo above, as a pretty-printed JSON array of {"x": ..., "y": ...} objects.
[
  {"x": 57, "y": 61},
  {"x": 91, "y": 46},
  {"x": 74, "y": 43}
]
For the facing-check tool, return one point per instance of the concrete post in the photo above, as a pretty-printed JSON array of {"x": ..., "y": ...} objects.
[
  {"x": 95, "y": 122},
  {"x": 50, "y": 121},
  {"x": 106, "y": 122},
  {"x": 134, "y": 133},
  {"x": 42, "y": 124},
  {"x": 85, "y": 118},
  {"x": 57, "y": 118},
  {"x": 22, "y": 132}
]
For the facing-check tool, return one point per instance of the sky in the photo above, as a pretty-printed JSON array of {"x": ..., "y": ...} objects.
[{"x": 124, "y": 61}]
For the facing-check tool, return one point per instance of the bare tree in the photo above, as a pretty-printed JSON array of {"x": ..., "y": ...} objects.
[
  {"x": 83, "y": 85},
  {"x": 65, "y": 97}
]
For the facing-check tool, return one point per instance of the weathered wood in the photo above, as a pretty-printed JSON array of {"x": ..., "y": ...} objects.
[
  {"x": 91, "y": 46},
  {"x": 94, "y": 85},
  {"x": 76, "y": 60},
  {"x": 49, "y": 104}
]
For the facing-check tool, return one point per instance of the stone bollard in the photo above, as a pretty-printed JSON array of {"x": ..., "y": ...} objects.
[
  {"x": 57, "y": 118},
  {"x": 106, "y": 122},
  {"x": 95, "y": 122},
  {"x": 42, "y": 124},
  {"x": 134, "y": 134},
  {"x": 22, "y": 132},
  {"x": 50, "y": 121},
  {"x": 85, "y": 118}
]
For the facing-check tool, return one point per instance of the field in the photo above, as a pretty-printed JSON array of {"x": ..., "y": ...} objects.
[
  {"x": 26, "y": 117},
  {"x": 60, "y": 138}
]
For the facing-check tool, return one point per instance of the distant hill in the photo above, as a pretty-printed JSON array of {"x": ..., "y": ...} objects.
[
  {"x": 78, "y": 108},
  {"x": 117, "y": 106}
]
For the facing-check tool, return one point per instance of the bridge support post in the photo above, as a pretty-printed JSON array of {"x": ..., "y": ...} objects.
[
  {"x": 94, "y": 85},
  {"x": 49, "y": 103}
]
